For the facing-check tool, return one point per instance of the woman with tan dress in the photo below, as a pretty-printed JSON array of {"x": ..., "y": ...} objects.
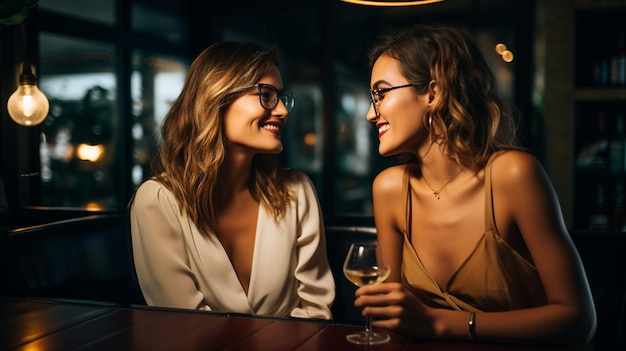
[{"x": 471, "y": 225}]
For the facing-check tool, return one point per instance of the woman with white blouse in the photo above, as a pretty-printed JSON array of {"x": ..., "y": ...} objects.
[{"x": 221, "y": 226}]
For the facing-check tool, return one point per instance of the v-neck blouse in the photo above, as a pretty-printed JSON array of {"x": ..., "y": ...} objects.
[
  {"x": 177, "y": 266},
  {"x": 494, "y": 277}
]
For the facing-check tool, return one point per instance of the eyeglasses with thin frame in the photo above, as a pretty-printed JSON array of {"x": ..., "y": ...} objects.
[
  {"x": 269, "y": 95},
  {"x": 377, "y": 95}
]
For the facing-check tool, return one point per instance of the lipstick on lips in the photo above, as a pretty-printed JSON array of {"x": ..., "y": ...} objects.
[
  {"x": 272, "y": 127},
  {"x": 382, "y": 129}
]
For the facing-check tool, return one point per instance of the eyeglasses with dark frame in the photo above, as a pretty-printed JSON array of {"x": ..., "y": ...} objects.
[
  {"x": 376, "y": 95},
  {"x": 269, "y": 95}
]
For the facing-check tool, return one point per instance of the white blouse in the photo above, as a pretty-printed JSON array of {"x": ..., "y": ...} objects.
[{"x": 179, "y": 267}]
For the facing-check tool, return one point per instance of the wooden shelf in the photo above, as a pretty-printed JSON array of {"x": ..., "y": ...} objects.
[
  {"x": 600, "y": 94},
  {"x": 598, "y": 4}
]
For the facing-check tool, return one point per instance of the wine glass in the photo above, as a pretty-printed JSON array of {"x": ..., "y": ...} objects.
[{"x": 365, "y": 265}]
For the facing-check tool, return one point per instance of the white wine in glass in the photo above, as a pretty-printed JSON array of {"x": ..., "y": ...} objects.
[{"x": 364, "y": 265}]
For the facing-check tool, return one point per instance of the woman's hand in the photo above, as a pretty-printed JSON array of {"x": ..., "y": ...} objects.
[{"x": 394, "y": 308}]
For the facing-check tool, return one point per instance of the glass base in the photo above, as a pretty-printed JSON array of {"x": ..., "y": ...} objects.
[{"x": 368, "y": 338}]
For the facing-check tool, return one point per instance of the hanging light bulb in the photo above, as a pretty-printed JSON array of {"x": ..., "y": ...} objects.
[{"x": 28, "y": 106}]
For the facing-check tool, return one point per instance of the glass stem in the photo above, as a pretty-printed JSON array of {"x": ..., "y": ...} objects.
[{"x": 368, "y": 324}]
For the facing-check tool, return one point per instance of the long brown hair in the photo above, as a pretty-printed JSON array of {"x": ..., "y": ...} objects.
[
  {"x": 469, "y": 115},
  {"x": 194, "y": 146}
]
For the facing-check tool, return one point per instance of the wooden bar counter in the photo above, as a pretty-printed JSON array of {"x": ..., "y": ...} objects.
[{"x": 29, "y": 324}]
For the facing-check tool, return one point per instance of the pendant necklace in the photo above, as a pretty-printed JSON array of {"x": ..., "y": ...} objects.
[{"x": 436, "y": 192}]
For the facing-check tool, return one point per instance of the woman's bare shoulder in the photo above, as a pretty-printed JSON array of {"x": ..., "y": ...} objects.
[
  {"x": 390, "y": 180},
  {"x": 513, "y": 167}
]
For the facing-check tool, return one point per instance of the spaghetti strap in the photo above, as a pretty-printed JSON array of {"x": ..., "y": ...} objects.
[
  {"x": 407, "y": 216},
  {"x": 490, "y": 222}
]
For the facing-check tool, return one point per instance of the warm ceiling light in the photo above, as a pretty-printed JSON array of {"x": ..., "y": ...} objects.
[
  {"x": 507, "y": 55},
  {"x": 500, "y": 48},
  {"x": 391, "y": 3}
]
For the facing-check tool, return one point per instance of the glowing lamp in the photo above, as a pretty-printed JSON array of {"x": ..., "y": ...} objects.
[
  {"x": 90, "y": 153},
  {"x": 390, "y": 3},
  {"x": 28, "y": 106}
]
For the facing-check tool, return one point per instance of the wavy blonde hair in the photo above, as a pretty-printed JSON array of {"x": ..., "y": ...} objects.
[
  {"x": 193, "y": 147},
  {"x": 469, "y": 113}
]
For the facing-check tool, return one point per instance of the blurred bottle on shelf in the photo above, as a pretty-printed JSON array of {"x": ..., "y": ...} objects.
[
  {"x": 617, "y": 67},
  {"x": 619, "y": 215},
  {"x": 599, "y": 218},
  {"x": 617, "y": 147},
  {"x": 601, "y": 71},
  {"x": 595, "y": 153}
]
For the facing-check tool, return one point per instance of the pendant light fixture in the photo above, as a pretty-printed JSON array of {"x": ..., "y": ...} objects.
[
  {"x": 27, "y": 106},
  {"x": 390, "y": 3}
]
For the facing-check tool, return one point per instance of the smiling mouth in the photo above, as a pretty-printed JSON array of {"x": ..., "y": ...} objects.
[
  {"x": 272, "y": 128},
  {"x": 382, "y": 129}
]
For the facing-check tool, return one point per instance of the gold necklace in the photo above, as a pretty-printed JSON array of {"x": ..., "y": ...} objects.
[{"x": 436, "y": 192}]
